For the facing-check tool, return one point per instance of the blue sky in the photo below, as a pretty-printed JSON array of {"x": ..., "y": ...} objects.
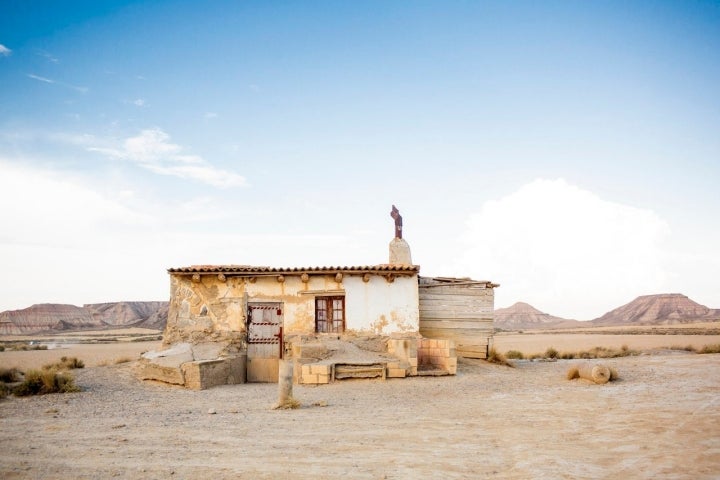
[{"x": 569, "y": 151}]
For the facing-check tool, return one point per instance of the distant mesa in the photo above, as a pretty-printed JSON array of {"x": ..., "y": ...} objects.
[
  {"x": 55, "y": 317},
  {"x": 661, "y": 309},
  {"x": 524, "y": 316}
]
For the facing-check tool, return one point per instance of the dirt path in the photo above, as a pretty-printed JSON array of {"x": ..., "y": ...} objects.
[{"x": 662, "y": 420}]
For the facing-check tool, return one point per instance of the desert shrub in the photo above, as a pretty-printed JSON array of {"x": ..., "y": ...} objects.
[
  {"x": 551, "y": 353},
  {"x": 686, "y": 348},
  {"x": 9, "y": 375},
  {"x": 514, "y": 355},
  {"x": 65, "y": 363},
  {"x": 572, "y": 373},
  {"x": 4, "y": 390},
  {"x": 2, "y": 348},
  {"x": 41, "y": 382},
  {"x": 710, "y": 349},
  {"x": 496, "y": 357},
  {"x": 567, "y": 355},
  {"x": 123, "y": 360},
  {"x": 27, "y": 346}
]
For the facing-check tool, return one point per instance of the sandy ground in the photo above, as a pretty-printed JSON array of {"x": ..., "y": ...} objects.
[
  {"x": 529, "y": 343},
  {"x": 92, "y": 354},
  {"x": 661, "y": 420}
]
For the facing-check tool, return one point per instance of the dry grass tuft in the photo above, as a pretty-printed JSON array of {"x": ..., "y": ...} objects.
[
  {"x": 573, "y": 373},
  {"x": 710, "y": 349},
  {"x": 65, "y": 363},
  {"x": 498, "y": 358},
  {"x": 289, "y": 404},
  {"x": 595, "y": 352},
  {"x": 27, "y": 346},
  {"x": 41, "y": 382},
  {"x": 123, "y": 360},
  {"x": 9, "y": 375},
  {"x": 551, "y": 353},
  {"x": 514, "y": 355}
]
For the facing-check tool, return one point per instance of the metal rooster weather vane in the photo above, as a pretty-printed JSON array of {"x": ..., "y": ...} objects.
[{"x": 395, "y": 214}]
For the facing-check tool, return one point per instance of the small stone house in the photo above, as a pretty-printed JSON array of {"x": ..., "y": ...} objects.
[
  {"x": 233, "y": 323},
  {"x": 260, "y": 308}
]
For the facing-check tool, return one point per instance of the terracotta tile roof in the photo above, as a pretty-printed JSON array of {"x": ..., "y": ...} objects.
[{"x": 248, "y": 269}]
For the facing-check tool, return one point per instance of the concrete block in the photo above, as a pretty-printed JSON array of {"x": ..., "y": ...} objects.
[
  {"x": 147, "y": 370},
  {"x": 323, "y": 379},
  {"x": 306, "y": 370},
  {"x": 412, "y": 372},
  {"x": 319, "y": 369},
  {"x": 309, "y": 350},
  {"x": 309, "y": 379},
  {"x": 396, "y": 373},
  {"x": 413, "y": 362},
  {"x": 200, "y": 375}
]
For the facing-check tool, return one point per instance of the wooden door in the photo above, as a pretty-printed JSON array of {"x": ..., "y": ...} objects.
[{"x": 264, "y": 338}]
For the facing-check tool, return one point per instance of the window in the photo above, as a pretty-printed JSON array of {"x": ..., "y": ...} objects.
[{"x": 329, "y": 314}]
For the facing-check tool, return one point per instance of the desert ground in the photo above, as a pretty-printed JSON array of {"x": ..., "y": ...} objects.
[{"x": 660, "y": 420}]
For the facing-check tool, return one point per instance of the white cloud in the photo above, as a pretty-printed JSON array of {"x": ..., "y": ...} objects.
[
  {"x": 62, "y": 84},
  {"x": 39, "y": 78},
  {"x": 153, "y": 151},
  {"x": 4, "y": 51},
  {"x": 139, "y": 102},
  {"x": 72, "y": 240},
  {"x": 48, "y": 56},
  {"x": 210, "y": 115},
  {"x": 565, "y": 250},
  {"x": 55, "y": 209}
]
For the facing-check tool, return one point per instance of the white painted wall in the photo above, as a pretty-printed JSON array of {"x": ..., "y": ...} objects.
[{"x": 380, "y": 306}]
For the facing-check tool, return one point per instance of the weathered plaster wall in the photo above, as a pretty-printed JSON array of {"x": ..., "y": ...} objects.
[
  {"x": 382, "y": 307},
  {"x": 216, "y": 308}
]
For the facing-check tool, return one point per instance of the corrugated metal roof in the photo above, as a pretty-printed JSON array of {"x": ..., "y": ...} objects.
[
  {"x": 248, "y": 269},
  {"x": 454, "y": 281}
]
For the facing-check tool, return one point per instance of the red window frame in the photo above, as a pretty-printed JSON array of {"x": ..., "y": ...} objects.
[{"x": 330, "y": 314}]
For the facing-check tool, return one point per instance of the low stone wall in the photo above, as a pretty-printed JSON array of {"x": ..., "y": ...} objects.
[
  {"x": 212, "y": 373},
  {"x": 193, "y": 366}
]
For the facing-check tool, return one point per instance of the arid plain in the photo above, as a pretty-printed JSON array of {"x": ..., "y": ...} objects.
[{"x": 660, "y": 420}]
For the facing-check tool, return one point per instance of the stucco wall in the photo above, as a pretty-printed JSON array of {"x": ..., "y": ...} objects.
[
  {"x": 382, "y": 307},
  {"x": 213, "y": 307}
]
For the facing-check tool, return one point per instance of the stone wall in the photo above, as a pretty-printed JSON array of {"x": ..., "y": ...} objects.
[{"x": 213, "y": 307}]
